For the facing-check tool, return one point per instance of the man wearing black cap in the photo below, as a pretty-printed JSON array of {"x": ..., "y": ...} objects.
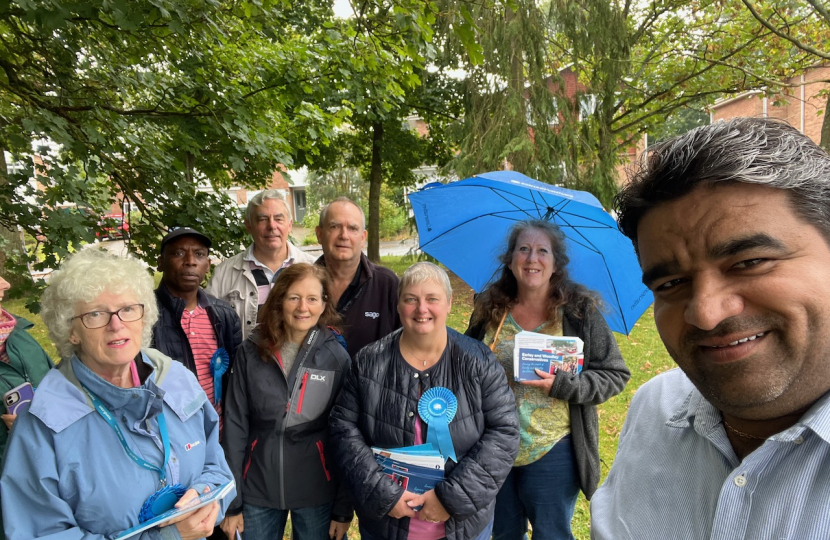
[{"x": 192, "y": 324}]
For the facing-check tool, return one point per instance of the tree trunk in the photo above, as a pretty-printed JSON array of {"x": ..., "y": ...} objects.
[
  {"x": 375, "y": 181},
  {"x": 825, "y": 126},
  {"x": 11, "y": 240},
  {"x": 189, "y": 165}
]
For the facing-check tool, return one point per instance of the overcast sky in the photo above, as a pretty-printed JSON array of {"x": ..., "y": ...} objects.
[{"x": 342, "y": 9}]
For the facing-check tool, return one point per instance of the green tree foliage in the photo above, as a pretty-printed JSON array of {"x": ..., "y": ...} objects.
[
  {"x": 635, "y": 65},
  {"x": 342, "y": 181},
  {"x": 158, "y": 99},
  {"x": 678, "y": 123},
  {"x": 391, "y": 43},
  {"x": 806, "y": 27}
]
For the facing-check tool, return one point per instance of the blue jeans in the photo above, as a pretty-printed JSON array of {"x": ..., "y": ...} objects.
[
  {"x": 543, "y": 492},
  {"x": 310, "y": 523},
  {"x": 485, "y": 534}
]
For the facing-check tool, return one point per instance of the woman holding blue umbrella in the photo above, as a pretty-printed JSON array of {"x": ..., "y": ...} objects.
[{"x": 559, "y": 452}]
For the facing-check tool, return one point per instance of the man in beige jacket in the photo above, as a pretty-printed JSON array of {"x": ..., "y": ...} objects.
[{"x": 245, "y": 279}]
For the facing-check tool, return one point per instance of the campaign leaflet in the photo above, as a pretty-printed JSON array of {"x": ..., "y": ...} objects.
[
  {"x": 204, "y": 499},
  {"x": 532, "y": 351},
  {"x": 415, "y": 468}
]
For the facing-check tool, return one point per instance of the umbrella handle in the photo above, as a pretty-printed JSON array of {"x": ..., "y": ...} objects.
[{"x": 498, "y": 331}]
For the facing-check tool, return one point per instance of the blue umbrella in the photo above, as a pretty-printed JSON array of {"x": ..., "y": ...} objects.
[{"x": 464, "y": 225}]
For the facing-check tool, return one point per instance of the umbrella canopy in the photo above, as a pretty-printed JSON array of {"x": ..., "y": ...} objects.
[{"x": 464, "y": 225}]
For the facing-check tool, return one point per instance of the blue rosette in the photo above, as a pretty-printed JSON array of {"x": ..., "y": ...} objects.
[
  {"x": 161, "y": 501},
  {"x": 219, "y": 363},
  {"x": 437, "y": 407}
]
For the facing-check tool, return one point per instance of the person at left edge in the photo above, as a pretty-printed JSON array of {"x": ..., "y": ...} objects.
[
  {"x": 67, "y": 474},
  {"x": 22, "y": 360},
  {"x": 284, "y": 382},
  {"x": 192, "y": 324}
]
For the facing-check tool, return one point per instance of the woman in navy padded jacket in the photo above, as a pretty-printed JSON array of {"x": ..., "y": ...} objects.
[{"x": 379, "y": 407}]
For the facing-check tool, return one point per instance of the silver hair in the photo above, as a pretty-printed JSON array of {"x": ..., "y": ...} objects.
[
  {"x": 324, "y": 213},
  {"x": 257, "y": 200},
  {"x": 762, "y": 151},
  {"x": 82, "y": 278},
  {"x": 422, "y": 272}
]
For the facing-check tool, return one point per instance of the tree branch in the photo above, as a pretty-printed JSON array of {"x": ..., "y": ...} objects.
[{"x": 783, "y": 35}]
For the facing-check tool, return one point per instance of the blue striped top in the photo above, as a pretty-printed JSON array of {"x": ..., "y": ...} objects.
[{"x": 676, "y": 476}]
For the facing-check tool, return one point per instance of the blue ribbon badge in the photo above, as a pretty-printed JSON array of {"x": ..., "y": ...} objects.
[
  {"x": 437, "y": 408},
  {"x": 219, "y": 363},
  {"x": 160, "y": 502}
]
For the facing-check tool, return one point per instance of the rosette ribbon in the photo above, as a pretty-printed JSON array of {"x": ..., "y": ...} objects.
[
  {"x": 219, "y": 363},
  {"x": 437, "y": 407},
  {"x": 161, "y": 501}
]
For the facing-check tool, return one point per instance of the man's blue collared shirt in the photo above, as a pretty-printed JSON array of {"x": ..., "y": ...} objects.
[{"x": 676, "y": 476}]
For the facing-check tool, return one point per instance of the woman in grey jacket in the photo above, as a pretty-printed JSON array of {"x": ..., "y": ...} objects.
[
  {"x": 559, "y": 452},
  {"x": 283, "y": 384}
]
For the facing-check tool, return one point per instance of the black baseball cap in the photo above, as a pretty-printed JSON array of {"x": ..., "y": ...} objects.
[{"x": 183, "y": 231}]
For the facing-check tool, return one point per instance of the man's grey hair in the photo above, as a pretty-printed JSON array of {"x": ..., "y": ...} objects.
[
  {"x": 422, "y": 272},
  {"x": 761, "y": 151},
  {"x": 324, "y": 214},
  {"x": 81, "y": 279},
  {"x": 257, "y": 200}
]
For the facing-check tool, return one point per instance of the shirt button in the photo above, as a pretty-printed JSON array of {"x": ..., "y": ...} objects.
[
  {"x": 135, "y": 396},
  {"x": 247, "y": 322},
  {"x": 799, "y": 440},
  {"x": 173, "y": 459},
  {"x": 410, "y": 414},
  {"x": 416, "y": 375},
  {"x": 426, "y": 374},
  {"x": 252, "y": 293},
  {"x": 740, "y": 481}
]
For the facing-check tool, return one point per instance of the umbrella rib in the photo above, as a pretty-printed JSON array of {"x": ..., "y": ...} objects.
[
  {"x": 495, "y": 214},
  {"x": 607, "y": 272}
]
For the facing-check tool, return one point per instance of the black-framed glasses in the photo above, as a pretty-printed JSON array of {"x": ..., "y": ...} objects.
[{"x": 99, "y": 319}]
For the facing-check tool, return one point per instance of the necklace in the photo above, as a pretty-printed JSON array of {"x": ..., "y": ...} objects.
[
  {"x": 742, "y": 434},
  {"x": 412, "y": 352}
]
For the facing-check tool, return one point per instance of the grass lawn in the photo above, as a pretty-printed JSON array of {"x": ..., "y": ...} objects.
[{"x": 643, "y": 352}]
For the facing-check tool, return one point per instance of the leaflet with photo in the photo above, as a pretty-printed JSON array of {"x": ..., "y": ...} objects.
[
  {"x": 547, "y": 353},
  {"x": 204, "y": 499},
  {"x": 416, "y": 468},
  {"x": 424, "y": 455}
]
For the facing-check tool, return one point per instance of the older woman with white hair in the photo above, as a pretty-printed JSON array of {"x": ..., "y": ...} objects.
[
  {"x": 118, "y": 431},
  {"x": 379, "y": 406}
]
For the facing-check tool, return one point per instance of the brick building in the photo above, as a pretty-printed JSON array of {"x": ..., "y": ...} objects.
[
  {"x": 802, "y": 106},
  {"x": 294, "y": 192}
]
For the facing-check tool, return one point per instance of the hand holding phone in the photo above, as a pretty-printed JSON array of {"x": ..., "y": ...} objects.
[{"x": 19, "y": 398}]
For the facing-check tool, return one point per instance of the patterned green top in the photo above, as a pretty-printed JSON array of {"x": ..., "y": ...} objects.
[{"x": 543, "y": 420}]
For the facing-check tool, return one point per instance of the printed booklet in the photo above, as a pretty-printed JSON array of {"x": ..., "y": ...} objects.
[
  {"x": 415, "y": 468},
  {"x": 204, "y": 499},
  {"x": 550, "y": 354}
]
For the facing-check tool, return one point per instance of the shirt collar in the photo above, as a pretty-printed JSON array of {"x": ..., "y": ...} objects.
[
  {"x": 249, "y": 256},
  {"x": 817, "y": 419},
  {"x": 695, "y": 411}
]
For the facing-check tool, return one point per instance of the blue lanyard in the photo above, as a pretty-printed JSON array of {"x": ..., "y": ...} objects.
[{"x": 165, "y": 440}]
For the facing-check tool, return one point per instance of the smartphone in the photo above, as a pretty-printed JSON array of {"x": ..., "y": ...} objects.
[{"x": 18, "y": 399}]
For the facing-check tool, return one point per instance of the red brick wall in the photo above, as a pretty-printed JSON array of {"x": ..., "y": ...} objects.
[{"x": 801, "y": 106}]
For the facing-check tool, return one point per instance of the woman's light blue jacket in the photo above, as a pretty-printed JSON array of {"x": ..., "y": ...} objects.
[{"x": 67, "y": 476}]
